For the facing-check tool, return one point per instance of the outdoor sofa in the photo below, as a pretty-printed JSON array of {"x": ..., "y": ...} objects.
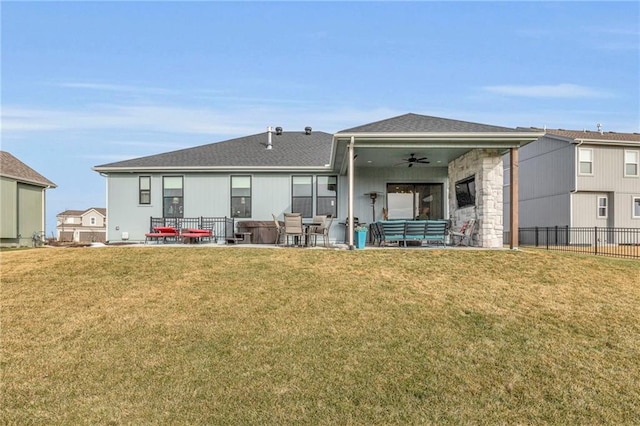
[{"x": 402, "y": 231}]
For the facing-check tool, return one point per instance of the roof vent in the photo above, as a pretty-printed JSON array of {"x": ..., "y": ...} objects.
[
  {"x": 307, "y": 130},
  {"x": 600, "y": 128},
  {"x": 278, "y": 130},
  {"x": 269, "y": 144}
]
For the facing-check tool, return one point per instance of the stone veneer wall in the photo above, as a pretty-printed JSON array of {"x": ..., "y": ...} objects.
[{"x": 486, "y": 165}]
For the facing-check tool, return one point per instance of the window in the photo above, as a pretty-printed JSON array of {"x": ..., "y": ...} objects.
[
  {"x": 327, "y": 195},
  {"x": 144, "y": 191},
  {"x": 241, "y": 196},
  {"x": 602, "y": 207},
  {"x": 414, "y": 201},
  {"x": 302, "y": 195},
  {"x": 585, "y": 156},
  {"x": 636, "y": 207},
  {"x": 631, "y": 162},
  {"x": 92, "y": 220},
  {"x": 172, "y": 195},
  {"x": 466, "y": 192}
]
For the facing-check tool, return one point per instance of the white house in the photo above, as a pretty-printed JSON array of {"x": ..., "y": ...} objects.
[{"x": 88, "y": 225}]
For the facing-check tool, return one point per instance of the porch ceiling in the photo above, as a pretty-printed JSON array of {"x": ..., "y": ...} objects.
[
  {"x": 393, "y": 157},
  {"x": 374, "y": 150}
]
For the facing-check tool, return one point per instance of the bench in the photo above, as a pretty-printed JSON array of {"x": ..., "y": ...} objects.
[
  {"x": 191, "y": 235},
  {"x": 401, "y": 231},
  {"x": 161, "y": 232}
]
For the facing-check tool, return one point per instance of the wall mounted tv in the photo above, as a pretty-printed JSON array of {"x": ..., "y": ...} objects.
[{"x": 466, "y": 192}]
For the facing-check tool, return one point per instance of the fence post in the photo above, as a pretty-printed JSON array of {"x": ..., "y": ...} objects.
[
  {"x": 536, "y": 237},
  {"x": 595, "y": 240},
  {"x": 547, "y": 237},
  {"x": 567, "y": 236},
  {"x": 556, "y": 236}
]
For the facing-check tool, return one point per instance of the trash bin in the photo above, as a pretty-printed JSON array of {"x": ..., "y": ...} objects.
[{"x": 262, "y": 231}]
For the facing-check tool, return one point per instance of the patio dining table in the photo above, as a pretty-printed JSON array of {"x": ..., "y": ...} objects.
[{"x": 308, "y": 226}]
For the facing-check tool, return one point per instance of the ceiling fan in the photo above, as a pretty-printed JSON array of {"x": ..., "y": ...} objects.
[{"x": 413, "y": 160}]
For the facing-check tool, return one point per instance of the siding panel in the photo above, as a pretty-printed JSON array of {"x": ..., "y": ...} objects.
[{"x": 8, "y": 208}]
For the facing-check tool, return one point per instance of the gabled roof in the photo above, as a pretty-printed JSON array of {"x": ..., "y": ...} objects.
[
  {"x": 416, "y": 123},
  {"x": 13, "y": 168},
  {"x": 289, "y": 150},
  {"x": 100, "y": 210}
]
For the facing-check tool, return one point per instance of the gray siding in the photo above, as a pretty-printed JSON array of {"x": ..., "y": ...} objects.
[
  {"x": 585, "y": 210},
  {"x": 548, "y": 211},
  {"x": 30, "y": 211},
  {"x": 608, "y": 178},
  {"x": 209, "y": 195},
  {"x": 546, "y": 178},
  {"x": 8, "y": 211},
  {"x": 623, "y": 210},
  {"x": 608, "y": 172}
]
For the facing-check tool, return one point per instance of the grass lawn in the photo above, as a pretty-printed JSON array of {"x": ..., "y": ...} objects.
[{"x": 208, "y": 335}]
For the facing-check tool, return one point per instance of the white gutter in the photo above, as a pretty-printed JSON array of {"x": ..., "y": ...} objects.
[
  {"x": 321, "y": 169},
  {"x": 44, "y": 213}
]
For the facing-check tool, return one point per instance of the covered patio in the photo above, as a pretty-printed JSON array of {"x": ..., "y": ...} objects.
[{"x": 451, "y": 169}]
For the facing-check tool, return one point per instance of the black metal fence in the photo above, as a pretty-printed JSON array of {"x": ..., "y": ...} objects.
[
  {"x": 221, "y": 227},
  {"x": 615, "y": 242}
]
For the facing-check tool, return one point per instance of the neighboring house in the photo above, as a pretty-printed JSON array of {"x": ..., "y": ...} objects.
[
  {"x": 22, "y": 202},
  {"x": 82, "y": 225},
  {"x": 459, "y": 176},
  {"x": 578, "y": 179}
]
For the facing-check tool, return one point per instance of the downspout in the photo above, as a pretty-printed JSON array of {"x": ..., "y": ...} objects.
[
  {"x": 44, "y": 212},
  {"x": 576, "y": 165},
  {"x": 350, "y": 197},
  {"x": 106, "y": 191}
]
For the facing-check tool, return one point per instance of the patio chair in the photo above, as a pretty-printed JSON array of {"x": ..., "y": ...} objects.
[
  {"x": 464, "y": 234},
  {"x": 322, "y": 231},
  {"x": 279, "y": 229},
  {"x": 436, "y": 232},
  {"x": 293, "y": 227},
  {"x": 376, "y": 232}
]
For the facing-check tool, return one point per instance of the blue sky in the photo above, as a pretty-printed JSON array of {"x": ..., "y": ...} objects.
[{"x": 89, "y": 83}]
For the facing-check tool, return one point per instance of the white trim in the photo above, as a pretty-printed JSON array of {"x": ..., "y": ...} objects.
[
  {"x": 606, "y": 207},
  {"x": 637, "y": 162},
  {"x": 350, "y": 153},
  {"x": 590, "y": 151},
  {"x": 633, "y": 206}
]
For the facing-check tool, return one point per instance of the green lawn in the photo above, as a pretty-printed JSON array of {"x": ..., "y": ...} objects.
[{"x": 210, "y": 335}]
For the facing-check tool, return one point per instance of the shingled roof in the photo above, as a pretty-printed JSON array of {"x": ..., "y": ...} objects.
[
  {"x": 289, "y": 149},
  {"x": 101, "y": 210},
  {"x": 416, "y": 123},
  {"x": 13, "y": 168},
  {"x": 592, "y": 135}
]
